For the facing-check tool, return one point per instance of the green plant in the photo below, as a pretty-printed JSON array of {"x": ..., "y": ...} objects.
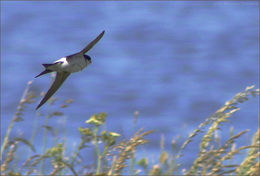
[{"x": 115, "y": 154}]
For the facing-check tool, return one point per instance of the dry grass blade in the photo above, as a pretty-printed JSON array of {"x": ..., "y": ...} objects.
[
  {"x": 229, "y": 105},
  {"x": 26, "y": 142},
  {"x": 214, "y": 156},
  {"x": 9, "y": 158},
  {"x": 219, "y": 167},
  {"x": 126, "y": 150},
  {"x": 29, "y": 160},
  {"x": 209, "y": 135},
  {"x": 209, "y": 162},
  {"x": 26, "y": 98},
  {"x": 255, "y": 169},
  {"x": 252, "y": 158}
]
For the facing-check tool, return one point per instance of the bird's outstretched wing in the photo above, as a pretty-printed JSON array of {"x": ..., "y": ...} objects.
[
  {"x": 91, "y": 44},
  {"x": 60, "y": 78}
]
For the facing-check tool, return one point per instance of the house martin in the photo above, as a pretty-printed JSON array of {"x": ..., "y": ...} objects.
[{"x": 65, "y": 66}]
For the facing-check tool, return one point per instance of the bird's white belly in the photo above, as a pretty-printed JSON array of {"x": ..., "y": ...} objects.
[{"x": 74, "y": 65}]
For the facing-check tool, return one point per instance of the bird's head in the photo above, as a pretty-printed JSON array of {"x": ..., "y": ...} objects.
[{"x": 87, "y": 59}]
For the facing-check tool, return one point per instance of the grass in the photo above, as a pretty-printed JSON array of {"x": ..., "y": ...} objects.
[{"x": 116, "y": 155}]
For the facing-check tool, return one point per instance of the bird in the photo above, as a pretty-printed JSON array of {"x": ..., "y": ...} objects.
[{"x": 65, "y": 66}]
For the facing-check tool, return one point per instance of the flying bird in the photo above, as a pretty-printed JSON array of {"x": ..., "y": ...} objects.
[{"x": 65, "y": 66}]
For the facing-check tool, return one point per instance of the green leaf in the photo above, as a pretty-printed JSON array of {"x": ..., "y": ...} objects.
[
  {"x": 97, "y": 119},
  {"x": 86, "y": 131},
  {"x": 143, "y": 162},
  {"x": 164, "y": 157}
]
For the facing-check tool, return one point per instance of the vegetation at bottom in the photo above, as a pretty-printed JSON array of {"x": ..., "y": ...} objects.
[{"x": 115, "y": 155}]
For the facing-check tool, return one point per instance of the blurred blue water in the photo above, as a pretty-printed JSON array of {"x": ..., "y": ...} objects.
[{"x": 174, "y": 62}]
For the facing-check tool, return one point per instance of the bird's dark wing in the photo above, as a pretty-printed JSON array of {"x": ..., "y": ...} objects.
[
  {"x": 91, "y": 44},
  {"x": 44, "y": 72},
  {"x": 60, "y": 78}
]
